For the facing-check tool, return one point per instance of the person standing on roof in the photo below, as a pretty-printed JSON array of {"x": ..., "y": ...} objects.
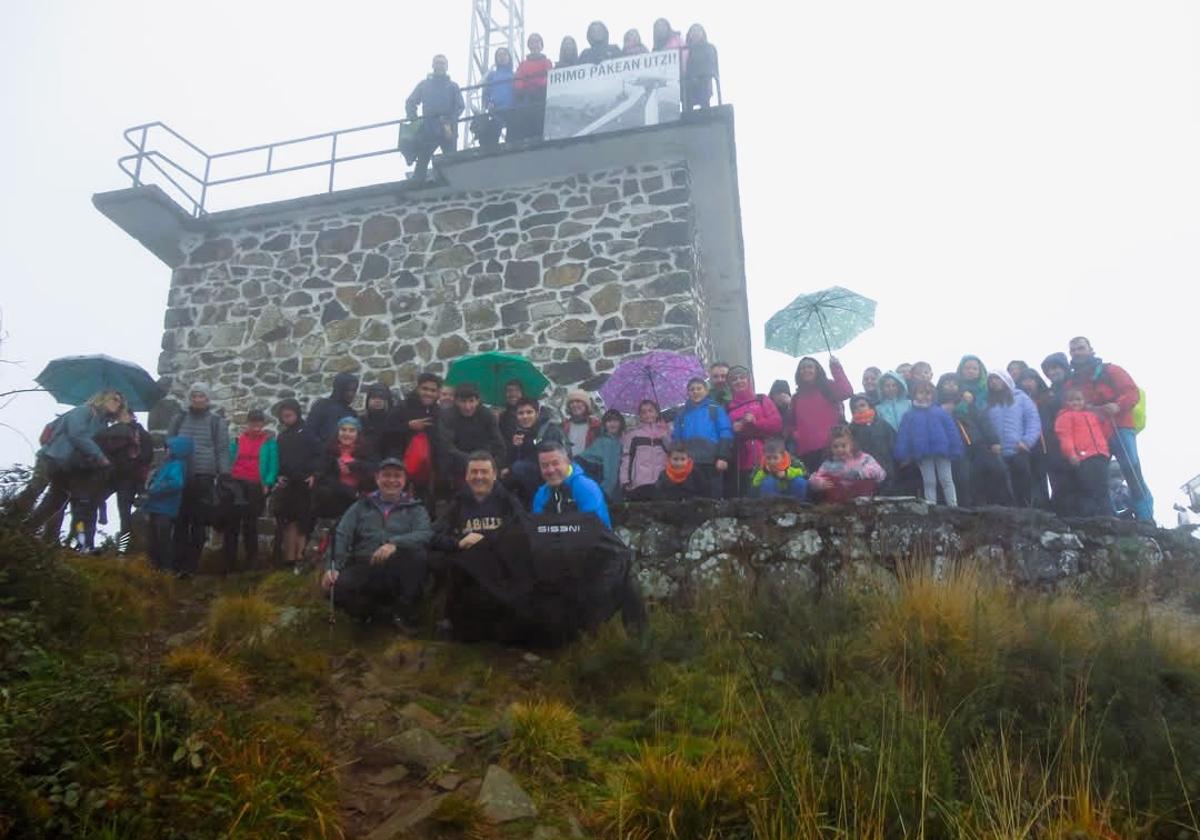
[
  {"x": 441, "y": 103},
  {"x": 599, "y": 49},
  {"x": 530, "y": 85},
  {"x": 499, "y": 96}
]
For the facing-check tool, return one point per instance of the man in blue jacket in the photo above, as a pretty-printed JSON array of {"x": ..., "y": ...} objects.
[
  {"x": 567, "y": 489},
  {"x": 703, "y": 426}
]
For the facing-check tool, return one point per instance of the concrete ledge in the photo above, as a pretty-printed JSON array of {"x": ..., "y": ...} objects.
[{"x": 150, "y": 216}]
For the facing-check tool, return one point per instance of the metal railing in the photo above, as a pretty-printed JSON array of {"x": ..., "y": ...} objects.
[{"x": 193, "y": 188}]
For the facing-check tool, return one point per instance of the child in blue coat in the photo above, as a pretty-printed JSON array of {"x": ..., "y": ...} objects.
[
  {"x": 929, "y": 436},
  {"x": 163, "y": 498},
  {"x": 704, "y": 427}
]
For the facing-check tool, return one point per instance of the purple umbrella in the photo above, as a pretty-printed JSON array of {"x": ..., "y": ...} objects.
[{"x": 660, "y": 376}]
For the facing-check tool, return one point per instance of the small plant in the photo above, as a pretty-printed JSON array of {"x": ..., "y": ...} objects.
[
  {"x": 240, "y": 621},
  {"x": 207, "y": 674},
  {"x": 545, "y": 735},
  {"x": 458, "y": 816},
  {"x": 662, "y": 796}
]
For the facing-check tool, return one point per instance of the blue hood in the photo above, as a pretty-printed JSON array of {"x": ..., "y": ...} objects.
[{"x": 180, "y": 448}]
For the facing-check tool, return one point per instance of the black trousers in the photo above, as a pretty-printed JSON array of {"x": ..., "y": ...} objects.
[
  {"x": 446, "y": 144},
  {"x": 162, "y": 542},
  {"x": 990, "y": 483},
  {"x": 191, "y": 527},
  {"x": 1087, "y": 491},
  {"x": 247, "y": 508},
  {"x": 391, "y": 588},
  {"x": 1020, "y": 475}
]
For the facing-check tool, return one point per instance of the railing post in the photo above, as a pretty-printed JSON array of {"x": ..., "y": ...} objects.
[
  {"x": 204, "y": 187},
  {"x": 332, "y": 161},
  {"x": 137, "y": 170}
]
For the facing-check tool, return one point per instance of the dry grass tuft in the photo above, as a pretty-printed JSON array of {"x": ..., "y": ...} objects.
[
  {"x": 240, "y": 621},
  {"x": 545, "y": 735},
  {"x": 207, "y": 674},
  {"x": 458, "y": 816}
]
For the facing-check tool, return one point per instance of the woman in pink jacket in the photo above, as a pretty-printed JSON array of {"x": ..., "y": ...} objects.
[
  {"x": 817, "y": 408},
  {"x": 755, "y": 418},
  {"x": 644, "y": 453}
]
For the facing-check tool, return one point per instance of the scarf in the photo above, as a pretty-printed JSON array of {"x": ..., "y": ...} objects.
[
  {"x": 783, "y": 468},
  {"x": 863, "y": 417},
  {"x": 679, "y": 476}
]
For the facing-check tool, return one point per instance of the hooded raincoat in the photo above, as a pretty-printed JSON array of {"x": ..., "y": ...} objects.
[
  {"x": 893, "y": 411},
  {"x": 325, "y": 413},
  {"x": 760, "y": 420},
  {"x": 817, "y": 408}
]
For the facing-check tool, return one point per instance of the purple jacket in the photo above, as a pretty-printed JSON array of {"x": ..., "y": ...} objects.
[{"x": 644, "y": 454}]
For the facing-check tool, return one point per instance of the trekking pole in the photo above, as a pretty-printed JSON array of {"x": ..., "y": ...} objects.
[{"x": 332, "y": 613}]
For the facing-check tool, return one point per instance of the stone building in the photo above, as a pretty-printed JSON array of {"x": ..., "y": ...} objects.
[{"x": 578, "y": 253}]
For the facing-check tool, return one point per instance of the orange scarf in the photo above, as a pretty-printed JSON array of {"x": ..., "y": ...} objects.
[
  {"x": 864, "y": 417},
  {"x": 679, "y": 476},
  {"x": 783, "y": 468}
]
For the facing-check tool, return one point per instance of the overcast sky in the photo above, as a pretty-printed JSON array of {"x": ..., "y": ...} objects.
[{"x": 999, "y": 176}]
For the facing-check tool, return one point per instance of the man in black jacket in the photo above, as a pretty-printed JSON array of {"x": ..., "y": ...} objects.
[
  {"x": 479, "y": 511},
  {"x": 326, "y": 412},
  {"x": 441, "y": 104},
  {"x": 464, "y": 428},
  {"x": 416, "y": 416}
]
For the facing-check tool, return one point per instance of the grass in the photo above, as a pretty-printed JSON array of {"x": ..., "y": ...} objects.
[
  {"x": 208, "y": 675},
  {"x": 239, "y": 621},
  {"x": 545, "y": 735}
]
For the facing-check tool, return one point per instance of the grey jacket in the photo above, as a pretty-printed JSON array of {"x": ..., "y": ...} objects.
[
  {"x": 370, "y": 522},
  {"x": 210, "y": 438},
  {"x": 74, "y": 441}
]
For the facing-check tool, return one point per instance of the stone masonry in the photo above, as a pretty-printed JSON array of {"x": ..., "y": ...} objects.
[{"x": 577, "y": 274}]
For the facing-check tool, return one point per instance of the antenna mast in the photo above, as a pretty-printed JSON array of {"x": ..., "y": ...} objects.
[{"x": 494, "y": 24}]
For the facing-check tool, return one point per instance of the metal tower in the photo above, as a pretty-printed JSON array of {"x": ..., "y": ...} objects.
[{"x": 494, "y": 24}]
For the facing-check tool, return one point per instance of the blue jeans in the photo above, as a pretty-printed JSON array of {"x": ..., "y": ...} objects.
[{"x": 1124, "y": 447}]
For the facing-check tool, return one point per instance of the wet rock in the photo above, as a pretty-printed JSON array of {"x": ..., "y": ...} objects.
[
  {"x": 406, "y": 819},
  {"x": 502, "y": 799},
  {"x": 338, "y": 240},
  {"x": 418, "y": 748}
]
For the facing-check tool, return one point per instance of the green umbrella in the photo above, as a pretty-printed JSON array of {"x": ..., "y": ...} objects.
[
  {"x": 491, "y": 371},
  {"x": 824, "y": 320}
]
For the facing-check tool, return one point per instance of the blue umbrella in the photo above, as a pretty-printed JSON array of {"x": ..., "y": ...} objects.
[
  {"x": 73, "y": 380},
  {"x": 824, "y": 320}
]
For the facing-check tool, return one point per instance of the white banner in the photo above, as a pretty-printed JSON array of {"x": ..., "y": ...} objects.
[{"x": 627, "y": 92}]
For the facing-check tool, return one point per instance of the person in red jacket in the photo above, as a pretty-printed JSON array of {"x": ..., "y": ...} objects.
[
  {"x": 1110, "y": 392},
  {"x": 1084, "y": 445},
  {"x": 817, "y": 408},
  {"x": 530, "y": 86}
]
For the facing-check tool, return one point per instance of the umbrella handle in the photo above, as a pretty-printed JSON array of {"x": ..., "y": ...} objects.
[{"x": 824, "y": 335}]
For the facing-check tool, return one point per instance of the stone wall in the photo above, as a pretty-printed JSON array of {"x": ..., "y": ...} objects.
[
  {"x": 576, "y": 273},
  {"x": 683, "y": 548}
]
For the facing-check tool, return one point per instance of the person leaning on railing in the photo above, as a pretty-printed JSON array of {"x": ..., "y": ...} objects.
[{"x": 441, "y": 103}]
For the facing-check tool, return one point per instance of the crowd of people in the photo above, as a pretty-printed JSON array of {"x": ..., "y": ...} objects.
[
  {"x": 380, "y": 476},
  {"x": 514, "y": 98}
]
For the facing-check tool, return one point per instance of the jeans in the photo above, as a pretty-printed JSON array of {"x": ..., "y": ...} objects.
[
  {"x": 1123, "y": 445},
  {"x": 935, "y": 471}
]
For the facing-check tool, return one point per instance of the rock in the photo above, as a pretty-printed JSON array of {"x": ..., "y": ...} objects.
[
  {"x": 572, "y": 330},
  {"x": 229, "y": 334},
  {"x": 378, "y": 230},
  {"x": 368, "y": 302},
  {"x": 545, "y": 832},
  {"x": 338, "y": 240},
  {"x": 450, "y": 221},
  {"x": 374, "y": 266},
  {"x": 643, "y": 313},
  {"x": 539, "y": 219},
  {"x": 343, "y": 330},
  {"x": 399, "y": 824},
  {"x": 678, "y": 195},
  {"x": 607, "y": 299},
  {"x": 452, "y": 346},
  {"x": 502, "y": 799},
  {"x": 416, "y": 223},
  {"x": 449, "y": 782},
  {"x": 456, "y": 256},
  {"x": 569, "y": 372},
  {"x": 666, "y": 235},
  {"x": 521, "y": 274},
  {"x": 418, "y": 748},
  {"x": 564, "y": 275},
  {"x": 211, "y": 250},
  {"x": 420, "y": 716},
  {"x": 480, "y": 315},
  {"x": 388, "y": 777},
  {"x": 333, "y": 311},
  {"x": 278, "y": 242},
  {"x": 496, "y": 212}
]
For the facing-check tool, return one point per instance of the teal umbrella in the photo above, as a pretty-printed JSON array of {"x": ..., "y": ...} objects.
[
  {"x": 491, "y": 371},
  {"x": 824, "y": 320},
  {"x": 73, "y": 380}
]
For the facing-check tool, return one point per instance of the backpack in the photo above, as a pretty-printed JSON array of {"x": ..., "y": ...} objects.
[
  {"x": 1138, "y": 412},
  {"x": 50, "y": 430}
]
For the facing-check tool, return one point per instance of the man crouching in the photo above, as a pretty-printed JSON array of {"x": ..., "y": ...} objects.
[{"x": 379, "y": 563}]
